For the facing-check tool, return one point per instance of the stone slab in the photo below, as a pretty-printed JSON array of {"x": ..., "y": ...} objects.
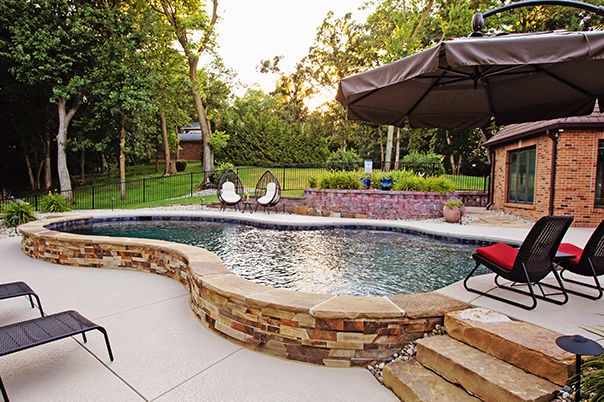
[
  {"x": 289, "y": 300},
  {"x": 490, "y": 379},
  {"x": 412, "y": 382},
  {"x": 521, "y": 344},
  {"x": 354, "y": 307},
  {"x": 429, "y": 304}
]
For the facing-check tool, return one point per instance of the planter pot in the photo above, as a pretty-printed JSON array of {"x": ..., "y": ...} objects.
[
  {"x": 366, "y": 183},
  {"x": 452, "y": 215},
  {"x": 386, "y": 183}
]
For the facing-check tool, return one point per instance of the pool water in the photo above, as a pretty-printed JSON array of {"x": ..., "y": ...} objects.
[{"x": 335, "y": 261}]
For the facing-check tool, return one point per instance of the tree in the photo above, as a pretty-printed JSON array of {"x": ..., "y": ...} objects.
[
  {"x": 53, "y": 42},
  {"x": 185, "y": 16}
]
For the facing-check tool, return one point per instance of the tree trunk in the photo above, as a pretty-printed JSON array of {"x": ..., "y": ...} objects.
[
  {"x": 122, "y": 160},
  {"x": 47, "y": 164},
  {"x": 397, "y": 156},
  {"x": 169, "y": 168},
  {"x": 30, "y": 172},
  {"x": 379, "y": 132},
  {"x": 389, "y": 140},
  {"x": 82, "y": 166},
  {"x": 202, "y": 117},
  {"x": 65, "y": 116}
]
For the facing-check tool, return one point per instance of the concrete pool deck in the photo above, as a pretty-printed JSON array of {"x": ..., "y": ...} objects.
[{"x": 175, "y": 357}]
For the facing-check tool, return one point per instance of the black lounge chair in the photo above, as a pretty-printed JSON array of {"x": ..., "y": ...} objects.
[
  {"x": 230, "y": 190},
  {"x": 268, "y": 191},
  {"x": 588, "y": 261},
  {"x": 28, "y": 334},
  {"x": 526, "y": 265},
  {"x": 18, "y": 289}
]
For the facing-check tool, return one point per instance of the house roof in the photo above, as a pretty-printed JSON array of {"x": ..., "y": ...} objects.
[
  {"x": 515, "y": 132},
  {"x": 189, "y": 137}
]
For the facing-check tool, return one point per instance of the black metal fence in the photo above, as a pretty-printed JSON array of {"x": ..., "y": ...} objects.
[{"x": 142, "y": 191}]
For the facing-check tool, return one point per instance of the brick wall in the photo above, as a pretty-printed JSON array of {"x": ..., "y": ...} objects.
[
  {"x": 377, "y": 204},
  {"x": 190, "y": 151},
  {"x": 575, "y": 177}
]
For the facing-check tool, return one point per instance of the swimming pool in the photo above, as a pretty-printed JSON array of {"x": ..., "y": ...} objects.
[{"x": 335, "y": 261}]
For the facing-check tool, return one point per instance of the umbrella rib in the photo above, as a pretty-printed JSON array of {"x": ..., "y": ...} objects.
[
  {"x": 421, "y": 98},
  {"x": 489, "y": 96},
  {"x": 565, "y": 82}
]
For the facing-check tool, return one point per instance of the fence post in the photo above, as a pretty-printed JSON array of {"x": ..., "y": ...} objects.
[
  {"x": 191, "y": 180},
  {"x": 36, "y": 202},
  {"x": 92, "y": 188},
  {"x": 144, "y": 189},
  {"x": 284, "y": 178}
]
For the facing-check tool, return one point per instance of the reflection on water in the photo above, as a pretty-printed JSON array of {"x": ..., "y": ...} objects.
[{"x": 336, "y": 261}]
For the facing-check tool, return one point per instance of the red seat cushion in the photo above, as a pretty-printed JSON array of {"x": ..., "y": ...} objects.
[
  {"x": 500, "y": 254},
  {"x": 571, "y": 249}
]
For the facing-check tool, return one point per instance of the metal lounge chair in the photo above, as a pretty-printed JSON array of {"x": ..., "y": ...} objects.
[
  {"x": 28, "y": 334},
  {"x": 230, "y": 189},
  {"x": 526, "y": 265},
  {"x": 18, "y": 289},
  {"x": 268, "y": 191},
  {"x": 588, "y": 261}
]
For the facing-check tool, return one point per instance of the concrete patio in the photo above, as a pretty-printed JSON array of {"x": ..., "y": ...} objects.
[{"x": 163, "y": 352}]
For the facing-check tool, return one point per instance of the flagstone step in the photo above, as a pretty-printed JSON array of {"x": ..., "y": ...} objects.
[
  {"x": 412, "y": 382},
  {"x": 521, "y": 344},
  {"x": 481, "y": 374}
]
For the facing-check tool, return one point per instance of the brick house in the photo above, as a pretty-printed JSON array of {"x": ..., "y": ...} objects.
[
  {"x": 552, "y": 167},
  {"x": 190, "y": 144}
]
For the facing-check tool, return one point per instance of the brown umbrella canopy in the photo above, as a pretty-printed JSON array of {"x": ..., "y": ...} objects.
[{"x": 467, "y": 82}]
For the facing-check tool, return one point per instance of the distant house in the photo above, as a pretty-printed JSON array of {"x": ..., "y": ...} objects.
[
  {"x": 552, "y": 167},
  {"x": 191, "y": 145}
]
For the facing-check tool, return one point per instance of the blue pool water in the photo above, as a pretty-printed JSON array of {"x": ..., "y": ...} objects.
[{"x": 336, "y": 261}]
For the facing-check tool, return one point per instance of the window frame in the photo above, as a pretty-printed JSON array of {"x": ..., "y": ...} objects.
[{"x": 522, "y": 153}]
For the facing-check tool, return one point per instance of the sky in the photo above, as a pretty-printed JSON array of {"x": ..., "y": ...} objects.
[{"x": 250, "y": 31}]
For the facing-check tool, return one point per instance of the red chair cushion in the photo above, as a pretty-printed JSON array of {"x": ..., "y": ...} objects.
[
  {"x": 571, "y": 249},
  {"x": 500, "y": 254}
]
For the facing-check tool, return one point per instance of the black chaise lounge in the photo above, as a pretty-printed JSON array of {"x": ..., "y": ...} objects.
[
  {"x": 18, "y": 289},
  {"x": 28, "y": 334},
  {"x": 588, "y": 261},
  {"x": 526, "y": 265}
]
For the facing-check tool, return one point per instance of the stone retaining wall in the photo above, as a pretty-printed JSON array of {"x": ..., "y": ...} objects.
[{"x": 316, "y": 328}]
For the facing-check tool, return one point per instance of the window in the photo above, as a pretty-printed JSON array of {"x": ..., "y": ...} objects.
[
  {"x": 521, "y": 176},
  {"x": 600, "y": 175}
]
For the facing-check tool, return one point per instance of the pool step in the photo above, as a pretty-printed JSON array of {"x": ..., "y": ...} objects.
[
  {"x": 521, "y": 344},
  {"x": 412, "y": 382},
  {"x": 481, "y": 374}
]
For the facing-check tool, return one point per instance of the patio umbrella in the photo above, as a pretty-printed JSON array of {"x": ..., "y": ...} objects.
[{"x": 467, "y": 82}]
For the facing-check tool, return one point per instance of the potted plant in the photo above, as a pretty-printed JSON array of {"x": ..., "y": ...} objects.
[
  {"x": 386, "y": 183},
  {"x": 453, "y": 210}
]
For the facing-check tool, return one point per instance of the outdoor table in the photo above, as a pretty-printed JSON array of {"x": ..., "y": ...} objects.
[{"x": 247, "y": 205}]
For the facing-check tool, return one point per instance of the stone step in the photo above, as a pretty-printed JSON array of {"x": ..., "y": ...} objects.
[
  {"x": 521, "y": 344},
  {"x": 481, "y": 374},
  {"x": 412, "y": 382}
]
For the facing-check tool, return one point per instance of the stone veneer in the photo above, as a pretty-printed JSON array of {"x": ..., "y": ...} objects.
[
  {"x": 317, "y": 328},
  {"x": 377, "y": 203}
]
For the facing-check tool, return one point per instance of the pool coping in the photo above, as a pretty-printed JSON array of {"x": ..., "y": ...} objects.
[{"x": 319, "y": 328}]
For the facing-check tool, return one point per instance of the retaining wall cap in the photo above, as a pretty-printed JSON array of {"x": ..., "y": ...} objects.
[{"x": 353, "y": 307}]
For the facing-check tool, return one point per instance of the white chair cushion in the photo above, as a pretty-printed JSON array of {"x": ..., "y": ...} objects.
[
  {"x": 271, "y": 190},
  {"x": 228, "y": 194}
]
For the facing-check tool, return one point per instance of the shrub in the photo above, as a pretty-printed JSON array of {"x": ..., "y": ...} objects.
[
  {"x": 343, "y": 160},
  {"x": 54, "y": 203},
  {"x": 181, "y": 165},
  {"x": 593, "y": 373},
  {"x": 438, "y": 184},
  {"x": 340, "y": 180},
  {"x": 426, "y": 163},
  {"x": 17, "y": 213},
  {"x": 219, "y": 169},
  {"x": 453, "y": 203},
  {"x": 312, "y": 182}
]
